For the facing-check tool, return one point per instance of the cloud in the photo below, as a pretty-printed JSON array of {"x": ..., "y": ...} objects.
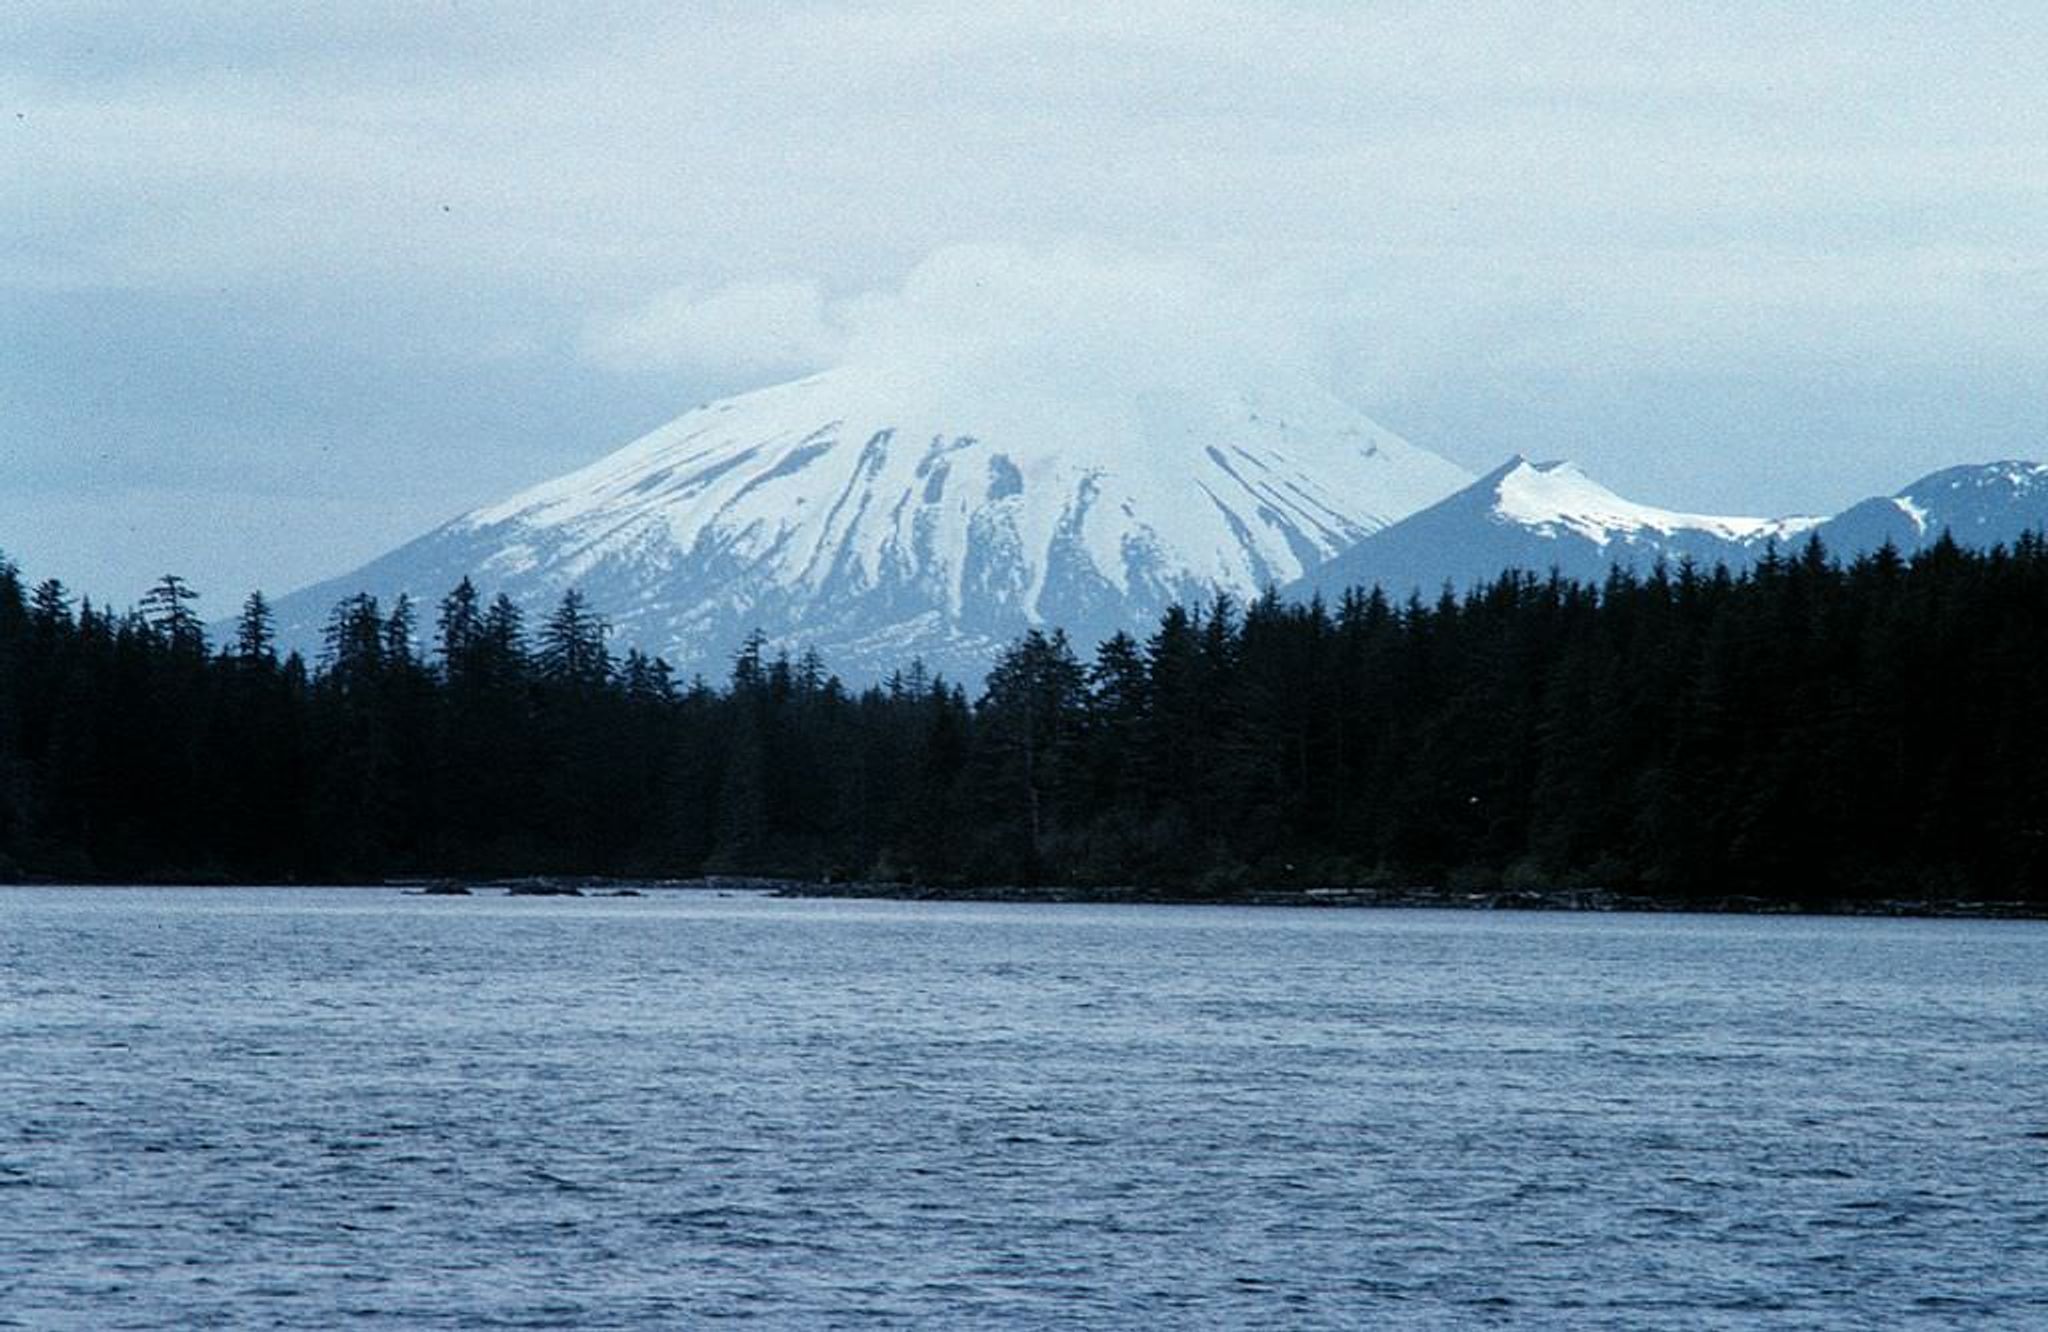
[
  {"x": 1070, "y": 312},
  {"x": 1074, "y": 314},
  {"x": 741, "y": 330},
  {"x": 550, "y": 166}
]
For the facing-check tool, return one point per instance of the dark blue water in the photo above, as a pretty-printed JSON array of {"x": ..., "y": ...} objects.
[{"x": 333, "y": 1108}]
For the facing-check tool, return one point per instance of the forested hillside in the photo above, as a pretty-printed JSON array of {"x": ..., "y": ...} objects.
[{"x": 1802, "y": 732}]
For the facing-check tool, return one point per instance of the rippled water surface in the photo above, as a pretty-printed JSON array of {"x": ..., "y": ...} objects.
[{"x": 330, "y": 1108}]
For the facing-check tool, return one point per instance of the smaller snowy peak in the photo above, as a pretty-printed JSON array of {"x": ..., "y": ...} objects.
[
  {"x": 1979, "y": 504},
  {"x": 1539, "y": 517},
  {"x": 1551, "y": 498},
  {"x": 2004, "y": 480}
]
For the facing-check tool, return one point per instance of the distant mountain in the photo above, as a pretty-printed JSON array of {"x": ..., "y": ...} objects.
[
  {"x": 1544, "y": 516},
  {"x": 1982, "y": 504},
  {"x": 1537, "y": 516},
  {"x": 881, "y": 512}
]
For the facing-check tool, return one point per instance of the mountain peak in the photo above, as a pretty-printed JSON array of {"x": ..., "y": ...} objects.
[
  {"x": 935, "y": 506},
  {"x": 1538, "y": 516},
  {"x": 2008, "y": 475},
  {"x": 1558, "y": 496},
  {"x": 1977, "y": 503}
]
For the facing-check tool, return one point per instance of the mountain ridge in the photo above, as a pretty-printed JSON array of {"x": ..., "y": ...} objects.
[
  {"x": 1549, "y": 516},
  {"x": 936, "y": 509},
  {"x": 883, "y": 513}
]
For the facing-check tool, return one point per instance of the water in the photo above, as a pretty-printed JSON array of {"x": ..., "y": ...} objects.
[{"x": 333, "y": 1108}]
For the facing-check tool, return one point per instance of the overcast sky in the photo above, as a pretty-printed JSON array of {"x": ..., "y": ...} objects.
[{"x": 278, "y": 292}]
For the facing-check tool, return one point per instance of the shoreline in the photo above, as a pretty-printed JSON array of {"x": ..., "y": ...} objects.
[
  {"x": 1411, "y": 897},
  {"x": 1422, "y": 897}
]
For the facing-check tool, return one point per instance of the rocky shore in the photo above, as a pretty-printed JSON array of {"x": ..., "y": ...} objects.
[
  {"x": 1418, "y": 896},
  {"x": 1396, "y": 897}
]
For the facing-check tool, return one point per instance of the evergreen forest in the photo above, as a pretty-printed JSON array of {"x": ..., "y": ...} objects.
[{"x": 1806, "y": 731}]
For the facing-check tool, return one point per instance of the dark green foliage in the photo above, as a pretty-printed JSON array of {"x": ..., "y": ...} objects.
[
  {"x": 1028, "y": 782},
  {"x": 167, "y": 607},
  {"x": 255, "y": 632},
  {"x": 1805, "y": 733}
]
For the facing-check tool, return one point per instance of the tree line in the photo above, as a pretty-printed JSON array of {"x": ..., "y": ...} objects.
[{"x": 1803, "y": 731}]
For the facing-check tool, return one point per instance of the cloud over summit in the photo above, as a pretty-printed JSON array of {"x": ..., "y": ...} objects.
[
  {"x": 767, "y": 327},
  {"x": 1066, "y": 314}
]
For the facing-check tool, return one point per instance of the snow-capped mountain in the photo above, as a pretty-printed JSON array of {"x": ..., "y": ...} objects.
[
  {"x": 1981, "y": 504},
  {"x": 1538, "y": 516},
  {"x": 881, "y": 512},
  {"x": 1544, "y": 516}
]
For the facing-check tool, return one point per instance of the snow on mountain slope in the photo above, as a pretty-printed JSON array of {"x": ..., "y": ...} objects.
[
  {"x": 1980, "y": 504},
  {"x": 1538, "y": 516},
  {"x": 1557, "y": 497},
  {"x": 930, "y": 508},
  {"x": 1544, "y": 516}
]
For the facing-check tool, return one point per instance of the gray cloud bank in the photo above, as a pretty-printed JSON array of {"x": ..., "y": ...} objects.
[{"x": 281, "y": 290}]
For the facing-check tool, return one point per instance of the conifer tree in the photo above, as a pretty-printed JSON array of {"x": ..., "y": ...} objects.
[
  {"x": 50, "y": 607},
  {"x": 572, "y": 650},
  {"x": 255, "y": 632},
  {"x": 167, "y": 607},
  {"x": 460, "y": 625},
  {"x": 1030, "y": 716}
]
